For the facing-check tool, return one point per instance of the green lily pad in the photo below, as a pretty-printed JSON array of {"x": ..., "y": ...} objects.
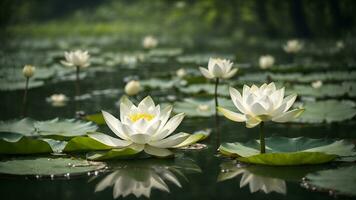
[
  {"x": 289, "y": 151},
  {"x": 223, "y": 90},
  {"x": 96, "y": 118},
  {"x": 327, "y": 90},
  {"x": 55, "y": 127},
  {"x": 47, "y": 166},
  {"x": 201, "y": 107},
  {"x": 23, "y": 126},
  {"x": 328, "y": 111},
  {"x": 12, "y": 143},
  {"x": 6, "y": 85},
  {"x": 165, "y": 52},
  {"x": 341, "y": 180},
  {"x": 160, "y": 83},
  {"x": 194, "y": 138},
  {"x": 113, "y": 154},
  {"x": 84, "y": 144},
  {"x": 201, "y": 58},
  {"x": 64, "y": 128}
]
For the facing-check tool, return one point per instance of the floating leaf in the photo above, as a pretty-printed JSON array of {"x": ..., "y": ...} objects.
[
  {"x": 96, "y": 118},
  {"x": 328, "y": 111},
  {"x": 194, "y": 138},
  {"x": 327, "y": 90},
  {"x": 83, "y": 143},
  {"x": 47, "y": 166},
  {"x": 223, "y": 90},
  {"x": 289, "y": 151},
  {"x": 165, "y": 52},
  {"x": 123, "y": 153},
  {"x": 23, "y": 126},
  {"x": 6, "y": 85},
  {"x": 160, "y": 83},
  {"x": 201, "y": 107},
  {"x": 341, "y": 180},
  {"x": 64, "y": 128}
]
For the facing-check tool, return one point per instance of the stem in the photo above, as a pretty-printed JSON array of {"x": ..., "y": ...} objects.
[
  {"x": 24, "y": 102},
  {"x": 77, "y": 83},
  {"x": 216, "y": 112},
  {"x": 262, "y": 139}
]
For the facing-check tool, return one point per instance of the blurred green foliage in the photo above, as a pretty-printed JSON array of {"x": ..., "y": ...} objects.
[{"x": 272, "y": 18}]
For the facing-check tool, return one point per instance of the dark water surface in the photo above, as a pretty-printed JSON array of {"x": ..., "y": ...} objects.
[{"x": 195, "y": 171}]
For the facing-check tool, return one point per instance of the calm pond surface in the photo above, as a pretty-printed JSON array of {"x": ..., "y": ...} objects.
[{"x": 194, "y": 173}]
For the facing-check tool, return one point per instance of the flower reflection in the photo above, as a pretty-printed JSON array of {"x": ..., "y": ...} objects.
[
  {"x": 255, "y": 181},
  {"x": 139, "y": 178}
]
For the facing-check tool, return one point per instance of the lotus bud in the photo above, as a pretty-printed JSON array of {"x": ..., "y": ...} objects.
[
  {"x": 28, "y": 71},
  {"x": 266, "y": 61},
  {"x": 132, "y": 87}
]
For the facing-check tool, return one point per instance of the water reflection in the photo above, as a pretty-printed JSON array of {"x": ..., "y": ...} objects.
[
  {"x": 255, "y": 182},
  {"x": 264, "y": 178},
  {"x": 139, "y": 177}
]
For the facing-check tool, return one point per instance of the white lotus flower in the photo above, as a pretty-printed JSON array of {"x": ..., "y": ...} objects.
[
  {"x": 132, "y": 87},
  {"x": 317, "y": 84},
  {"x": 76, "y": 58},
  {"x": 266, "y": 61},
  {"x": 218, "y": 68},
  {"x": 181, "y": 73},
  {"x": 258, "y": 104},
  {"x": 58, "y": 100},
  {"x": 28, "y": 71},
  {"x": 145, "y": 127},
  {"x": 262, "y": 183},
  {"x": 293, "y": 46},
  {"x": 149, "y": 42},
  {"x": 138, "y": 181}
]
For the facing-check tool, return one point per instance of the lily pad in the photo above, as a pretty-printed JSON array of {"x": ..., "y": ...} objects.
[
  {"x": 13, "y": 143},
  {"x": 341, "y": 180},
  {"x": 113, "y": 154},
  {"x": 194, "y": 138},
  {"x": 55, "y": 127},
  {"x": 84, "y": 144},
  {"x": 47, "y": 167},
  {"x": 289, "y": 151},
  {"x": 223, "y": 90},
  {"x": 328, "y": 111},
  {"x": 64, "y": 128},
  {"x": 200, "y": 107},
  {"x": 160, "y": 83},
  {"x": 96, "y": 118}
]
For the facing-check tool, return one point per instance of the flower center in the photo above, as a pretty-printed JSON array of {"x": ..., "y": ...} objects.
[{"x": 138, "y": 116}]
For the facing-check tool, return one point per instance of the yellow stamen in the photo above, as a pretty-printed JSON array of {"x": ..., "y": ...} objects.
[{"x": 138, "y": 116}]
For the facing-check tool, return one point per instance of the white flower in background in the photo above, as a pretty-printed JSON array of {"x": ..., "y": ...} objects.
[
  {"x": 340, "y": 44},
  {"x": 146, "y": 127},
  {"x": 293, "y": 46},
  {"x": 266, "y": 61},
  {"x": 317, "y": 84},
  {"x": 28, "y": 71},
  {"x": 257, "y": 183},
  {"x": 149, "y": 42},
  {"x": 76, "y": 58},
  {"x": 138, "y": 181},
  {"x": 58, "y": 100},
  {"x": 132, "y": 88},
  {"x": 203, "y": 108},
  {"x": 258, "y": 104},
  {"x": 181, "y": 73},
  {"x": 218, "y": 68}
]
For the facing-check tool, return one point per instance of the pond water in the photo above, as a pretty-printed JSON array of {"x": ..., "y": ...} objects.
[{"x": 193, "y": 174}]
